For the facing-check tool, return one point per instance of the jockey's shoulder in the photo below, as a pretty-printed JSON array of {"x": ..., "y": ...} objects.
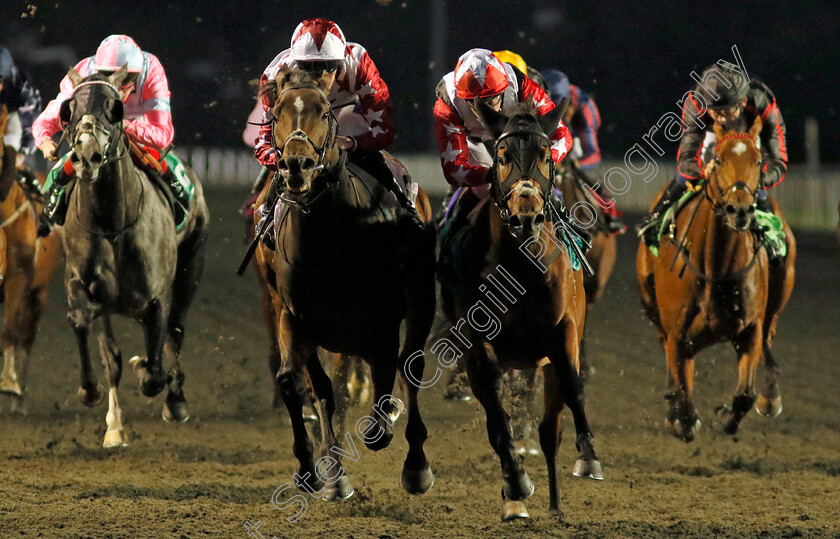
[{"x": 760, "y": 94}]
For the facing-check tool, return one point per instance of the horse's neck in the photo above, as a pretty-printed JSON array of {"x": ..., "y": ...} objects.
[
  {"x": 112, "y": 202},
  {"x": 713, "y": 247}
]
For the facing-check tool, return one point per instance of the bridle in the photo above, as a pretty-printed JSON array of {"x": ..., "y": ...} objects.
[
  {"x": 114, "y": 136},
  {"x": 715, "y": 196},
  {"x": 304, "y": 203},
  {"x": 111, "y": 152},
  {"x": 499, "y": 196}
]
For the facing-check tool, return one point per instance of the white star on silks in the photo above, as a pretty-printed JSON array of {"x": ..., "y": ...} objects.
[
  {"x": 451, "y": 128},
  {"x": 461, "y": 174},
  {"x": 541, "y": 103},
  {"x": 451, "y": 154},
  {"x": 365, "y": 90},
  {"x": 376, "y": 130},
  {"x": 373, "y": 116}
]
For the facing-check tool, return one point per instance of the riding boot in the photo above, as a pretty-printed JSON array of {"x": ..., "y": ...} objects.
[
  {"x": 649, "y": 227},
  {"x": 267, "y": 217},
  {"x": 440, "y": 218},
  {"x": 55, "y": 204},
  {"x": 374, "y": 163},
  {"x": 613, "y": 222}
]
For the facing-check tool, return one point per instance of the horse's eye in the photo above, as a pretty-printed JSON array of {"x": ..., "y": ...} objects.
[
  {"x": 717, "y": 160},
  {"x": 503, "y": 159},
  {"x": 325, "y": 116}
]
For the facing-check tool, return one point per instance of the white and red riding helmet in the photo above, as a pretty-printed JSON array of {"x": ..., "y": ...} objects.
[{"x": 318, "y": 40}]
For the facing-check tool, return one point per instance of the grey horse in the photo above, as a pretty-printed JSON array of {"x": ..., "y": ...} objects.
[{"x": 124, "y": 255}]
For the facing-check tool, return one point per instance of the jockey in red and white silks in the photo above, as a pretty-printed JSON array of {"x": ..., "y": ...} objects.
[
  {"x": 358, "y": 94},
  {"x": 459, "y": 132}
]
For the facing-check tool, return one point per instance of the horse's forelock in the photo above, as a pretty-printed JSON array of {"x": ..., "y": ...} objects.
[{"x": 521, "y": 116}]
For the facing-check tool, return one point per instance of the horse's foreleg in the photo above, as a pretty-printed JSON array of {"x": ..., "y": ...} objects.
[
  {"x": 290, "y": 380},
  {"x": 485, "y": 380},
  {"x": 386, "y": 407},
  {"x": 769, "y": 401},
  {"x": 417, "y": 476},
  {"x": 111, "y": 358},
  {"x": 748, "y": 346},
  {"x": 90, "y": 393},
  {"x": 150, "y": 370},
  {"x": 564, "y": 363},
  {"x": 341, "y": 366},
  {"x": 681, "y": 412},
  {"x": 551, "y": 433},
  {"x": 337, "y": 485},
  {"x": 16, "y": 287}
]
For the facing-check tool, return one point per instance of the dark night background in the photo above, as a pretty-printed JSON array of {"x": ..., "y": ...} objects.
[{"x": 633, "y": 57}]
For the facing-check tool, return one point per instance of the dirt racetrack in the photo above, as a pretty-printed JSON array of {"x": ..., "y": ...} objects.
[{"x": 206, "y": 478}]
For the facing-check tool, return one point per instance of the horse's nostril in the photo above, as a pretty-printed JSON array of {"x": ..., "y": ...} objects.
[
  {"x": 74, "y": 158},
  {"x": 282, "y": 164},
  {"x": 539, "y": 219},
  {"x": 751, "y": 210},
  {"x": 730, "y": 208},
  {"x": 96, "y": 158},
  {"x": 308, "y": 164}
]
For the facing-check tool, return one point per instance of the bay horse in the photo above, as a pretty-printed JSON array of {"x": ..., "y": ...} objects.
[
  {"x": 29, "y": 263},
  {"x": 124, "y": 255},
  {"x": 345, "y": 272},
  {"x": 547, "y": 321},
  {"x": 716, "y": 284},
  {"x": 601, "y": 255}
]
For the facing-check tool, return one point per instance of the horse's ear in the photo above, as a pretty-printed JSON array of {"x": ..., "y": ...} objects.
[
  {"x": 495, "y": 121},
  {"x": 65, "y": 111},
  {"x": 718, "y": 131},
  {"x": 551, "y": 119},
  {"x": 322, "y": 84},
  {"x": 756, "y": 128},
  {"x": 268, "y": 91},
  {"x": 116, "y": 78},
  {"x": 74, "y": 76},
  {"x": 114, "y": 110}
]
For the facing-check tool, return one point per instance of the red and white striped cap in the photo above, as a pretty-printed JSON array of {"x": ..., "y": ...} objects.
[
  {"x": 318, "y": 40},
  {"x": 116, "y": 51}
]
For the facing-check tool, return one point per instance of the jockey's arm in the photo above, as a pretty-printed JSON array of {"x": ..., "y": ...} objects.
[
  {"x": 773, "y": 146},
  {"x": 458, "y": 169},
  {"x": 47, "y": 123},
  {"x": 374, "y": 104},
  {"x": 154, "y": 128},
  {"x": 689, "y": 155},
  {"x": 561, "y": 137}
]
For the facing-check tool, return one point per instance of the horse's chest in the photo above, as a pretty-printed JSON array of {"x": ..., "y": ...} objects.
[{"x": 730, "y": 307}]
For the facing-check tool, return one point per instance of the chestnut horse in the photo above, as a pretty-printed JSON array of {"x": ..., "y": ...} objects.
[
  {"x": 29, "y": 266},
  {"x": 718, "y": 285},
  {"x": 124, "y": 253},
  {"x": 345, "y": 273},
  {"x": 507, "y": 236}
]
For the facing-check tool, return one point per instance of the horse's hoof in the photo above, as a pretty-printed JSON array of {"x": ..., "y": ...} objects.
[
  {"x": 513, "y": 509},
  {"x": 338, "y": 490},
  {"x": 768, "y": 407},
  {"x": 115, "y": 438},
  {"x": 520, "y": 488},
  {"x": 93, "y": 397},
  {"x": 309, "y": 414},
  {"x": 175, "y": 410},
  {"x": 417, "y": 481},
  {"x": 685, "y": 434},
  {"x": 557, "y": 513},
  {"x": 382, "y": 441},
  {"x": 588, "y": 469},
  {"x": 12, "y": 387},
  {"x": 153, "y": 383},
  {"x": 308, "y": 482}
]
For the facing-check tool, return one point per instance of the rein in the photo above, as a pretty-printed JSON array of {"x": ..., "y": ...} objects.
[{"x": 17, "y": 213}]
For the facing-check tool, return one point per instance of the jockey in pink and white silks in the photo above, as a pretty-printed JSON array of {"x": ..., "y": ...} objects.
[
  {"x": 147, "y": 118},
  {"x": 358, "y": 96}
]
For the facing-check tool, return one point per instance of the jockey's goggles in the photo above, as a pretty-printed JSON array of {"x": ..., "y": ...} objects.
[
  {"x": 318, "y": 67},
  {"x": 493, "y": 101}
]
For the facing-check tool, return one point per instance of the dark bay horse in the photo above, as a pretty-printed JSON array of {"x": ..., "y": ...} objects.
[
  {"x": 507, "y": 236},
  {"x": 29, "y": 264},
  {"x": 346, "y": 273},
  {"x": 718, "y": 286},
  {"x": 124, "y": 255}
]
